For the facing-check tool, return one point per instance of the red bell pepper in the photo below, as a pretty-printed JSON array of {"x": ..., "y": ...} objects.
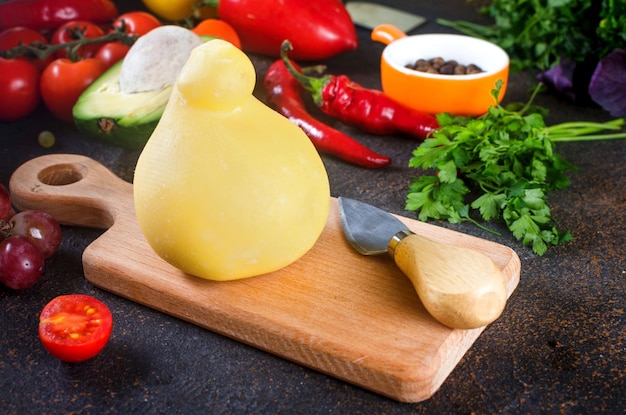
[
  {"x": 50, "y": 14},
  {"x": 318, "y": 29}
]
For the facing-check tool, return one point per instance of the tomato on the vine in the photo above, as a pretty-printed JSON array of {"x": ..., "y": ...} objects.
[
  {"x": 75, "y": 327},
  {"x": 19, "y": 35},
  {"x": 217, "y": 28},
  {"x": 66, "y": 33},
  {"x": 63, "y": 81},
  {"x": 19, "y": 88},
  {"x": 111, "y": 53},
  {"x": 137, "y": 23}
]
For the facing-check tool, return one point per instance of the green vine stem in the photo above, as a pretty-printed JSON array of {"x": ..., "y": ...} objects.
[{"x": 42, "y": 51}]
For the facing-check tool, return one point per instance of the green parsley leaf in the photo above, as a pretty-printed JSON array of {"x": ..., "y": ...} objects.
[
  {"x": 490, "y": 204},
  {"x": 501, "y": 166},
  {"x": 539, "y": 33}
]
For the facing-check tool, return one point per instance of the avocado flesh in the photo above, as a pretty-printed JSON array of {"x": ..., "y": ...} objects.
[{"x": 104, "y": 112}]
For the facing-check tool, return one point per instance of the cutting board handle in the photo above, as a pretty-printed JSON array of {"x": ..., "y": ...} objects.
[{"x": 74, "y": 189}]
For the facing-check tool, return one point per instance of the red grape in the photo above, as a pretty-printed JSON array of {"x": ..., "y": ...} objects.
[
  {"x": 5, "y": 202},
  {"x": 21, "y": 263},
  {"x": 27, "y": 239},
  {"x": 40, "y": 227}
]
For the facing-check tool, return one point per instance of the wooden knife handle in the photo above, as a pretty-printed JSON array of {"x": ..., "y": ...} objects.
[{"x": 460, "y": 287}]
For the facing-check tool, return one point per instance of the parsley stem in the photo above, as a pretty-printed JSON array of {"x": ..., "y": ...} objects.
[
  {"x": 528, "y": 103},
  {"x": 596, "y": 126},
  {"x": 584, "y": 131},
  {"x": 484, "y": 228},
  {"x": 592, "y": 137}
]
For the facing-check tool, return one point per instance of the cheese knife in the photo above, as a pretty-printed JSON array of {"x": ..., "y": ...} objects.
[
  {"x": 460, "y": 287},
  {"x": 369, "y": 15}
]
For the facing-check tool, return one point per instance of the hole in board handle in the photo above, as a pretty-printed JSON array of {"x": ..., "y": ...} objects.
[{"x": 62, "y": 174}]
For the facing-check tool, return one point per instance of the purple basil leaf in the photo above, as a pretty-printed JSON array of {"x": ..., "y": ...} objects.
[
  {"x": 560, "y": 78},
  {"x": 608, "y": 83}
]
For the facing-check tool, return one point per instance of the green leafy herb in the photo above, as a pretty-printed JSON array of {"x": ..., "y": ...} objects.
[
  {"x": 501, "y": 165},
  {"x": 538, "y": 33}
]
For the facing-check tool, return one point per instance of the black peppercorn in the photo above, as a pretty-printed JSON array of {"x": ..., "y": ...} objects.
[{"x": 440, "y": 66}]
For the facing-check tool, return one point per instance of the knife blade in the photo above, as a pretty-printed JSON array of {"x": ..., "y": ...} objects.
[
  {"x": 460, "y": 287},
  {"x": 369, "y": 15}
]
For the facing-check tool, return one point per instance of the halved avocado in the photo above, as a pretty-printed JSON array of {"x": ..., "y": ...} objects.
[{"x": 125, "y": 119}]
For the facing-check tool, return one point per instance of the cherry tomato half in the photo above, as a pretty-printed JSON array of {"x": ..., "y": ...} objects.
[
  {"x": 19, "y": 88},
  {"x": 137, "y": 23},
  {"x": 75, "y": 327},
  {"x": 66, "y": 34},
  {"x": 217, "y": 28},
  {"x": 19, "y": 35},
  {"x": 111, "y": 53},
  {"x": 63, "y": 81}
]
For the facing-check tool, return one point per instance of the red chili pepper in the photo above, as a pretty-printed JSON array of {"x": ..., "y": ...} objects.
[
  {"x": 318, "y": 29},
  {"x": 50, "y": 14},
  {"x": 283, "y": 94},
  {"x": 371, "y": 110}
]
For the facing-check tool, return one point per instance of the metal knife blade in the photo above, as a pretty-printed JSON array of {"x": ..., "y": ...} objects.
[
  {"x": 368, "y": 228},
  {"x": 460, "y": 287}
]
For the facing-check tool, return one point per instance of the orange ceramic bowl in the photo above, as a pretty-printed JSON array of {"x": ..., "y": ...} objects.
[{"x": 435, "y": 93}]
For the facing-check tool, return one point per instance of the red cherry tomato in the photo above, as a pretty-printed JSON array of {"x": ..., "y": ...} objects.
[
  {"x": 76, "y": 327},
  {"x": 66, "y": 34},
  {"x": 63, "y": 81},
  {"x": 20, "y": 35},
  {"x": 19, "y": 88},
  {"x": 137, "y": 23},
  {"x": 217, "y": 28},
  {"x": 17, "y": 35},
  {"x": 111, "y": 53}
]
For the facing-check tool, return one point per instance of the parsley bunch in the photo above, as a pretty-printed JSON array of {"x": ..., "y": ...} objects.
[
  {"x": 538, "y": 33},
  {"x": 501, "y": 165}
]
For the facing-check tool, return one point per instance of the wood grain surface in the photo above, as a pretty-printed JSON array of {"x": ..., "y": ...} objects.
[{"x": 353, "y": 317}]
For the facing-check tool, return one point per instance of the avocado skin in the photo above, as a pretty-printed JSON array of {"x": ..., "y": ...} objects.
[
  {"x": 107, "y": 131},
  {"x": 103, "y": 113}
]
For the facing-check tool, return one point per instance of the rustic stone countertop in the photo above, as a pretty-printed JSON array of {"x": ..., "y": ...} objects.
[{"x": 559, "y": 346}]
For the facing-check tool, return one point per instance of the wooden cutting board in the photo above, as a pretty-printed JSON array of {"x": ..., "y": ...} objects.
[{"x": 353, "y": 317}]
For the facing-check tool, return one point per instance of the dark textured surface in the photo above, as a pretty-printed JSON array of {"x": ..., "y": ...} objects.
[{"x": 558, "y": 348}]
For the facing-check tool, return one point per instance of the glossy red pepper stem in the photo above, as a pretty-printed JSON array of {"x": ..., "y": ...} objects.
[
  {"x": 311, "y": 84},
  {"x": 207, "y": 3}
]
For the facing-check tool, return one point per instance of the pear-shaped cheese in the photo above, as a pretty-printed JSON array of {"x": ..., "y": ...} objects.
[{"x": 227, "y": 188}]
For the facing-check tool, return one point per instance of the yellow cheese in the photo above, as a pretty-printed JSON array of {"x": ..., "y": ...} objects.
[{"x": 226, "y": 187}]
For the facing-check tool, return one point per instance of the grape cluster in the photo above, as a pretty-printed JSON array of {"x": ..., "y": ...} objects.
[{"x": 27, "y": 239}]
